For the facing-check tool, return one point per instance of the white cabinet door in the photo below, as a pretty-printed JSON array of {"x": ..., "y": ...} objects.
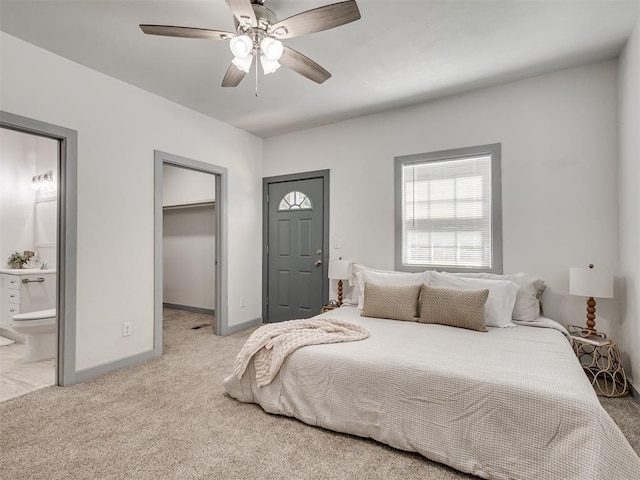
[
  {"x": 25, "y": 293},
  {"x": 37, "y": 292}
]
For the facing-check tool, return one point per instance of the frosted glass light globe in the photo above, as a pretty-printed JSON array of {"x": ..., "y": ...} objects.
[
  {"x": 272, "y": 48},
  {"x": 241, "y": 46}
]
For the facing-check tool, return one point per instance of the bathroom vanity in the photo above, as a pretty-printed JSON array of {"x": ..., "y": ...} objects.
[{"x": 23, "y": 291}]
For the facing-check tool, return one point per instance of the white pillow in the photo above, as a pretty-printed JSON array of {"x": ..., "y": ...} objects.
[
  {"x": 502, "y": 295},
  {"x": 355, "y": 268},
  {"x": 356, "y": 292},
  {"x": 395, "y": 279},
  {"x": 527, "y": 306}
]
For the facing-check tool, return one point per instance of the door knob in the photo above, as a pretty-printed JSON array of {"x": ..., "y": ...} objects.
[{"x": 318, "y": 262}]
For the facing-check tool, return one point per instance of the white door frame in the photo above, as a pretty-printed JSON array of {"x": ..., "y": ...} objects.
[
  {"x": 66, "y": 265},
  {"x": 221, "y": 326}
]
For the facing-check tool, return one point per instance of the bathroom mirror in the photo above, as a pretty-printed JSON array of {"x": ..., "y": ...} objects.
[{"x": 45, "y": 218}]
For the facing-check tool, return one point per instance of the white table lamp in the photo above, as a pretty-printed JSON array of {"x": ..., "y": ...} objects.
[
  {"x": 591, "y": 282},
  {"x": 339, "y": 270}
]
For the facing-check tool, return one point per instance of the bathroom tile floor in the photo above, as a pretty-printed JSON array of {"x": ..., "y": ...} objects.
[{"x": 18, "y": 378}]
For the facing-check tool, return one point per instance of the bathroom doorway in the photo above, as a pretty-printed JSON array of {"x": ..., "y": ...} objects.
[
  {"x": 190, "y": 242},
  {"x": 38, "y": 163}
]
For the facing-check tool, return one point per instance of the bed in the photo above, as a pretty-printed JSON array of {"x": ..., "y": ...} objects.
[{"x": 509, "y": 403}]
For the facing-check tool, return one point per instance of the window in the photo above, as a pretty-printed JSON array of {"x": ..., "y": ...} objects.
[
  {"x": 449, "y": 210},
  {"x": 295, "y": 201}
]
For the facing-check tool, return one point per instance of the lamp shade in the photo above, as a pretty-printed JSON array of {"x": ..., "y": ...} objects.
[
  {"x": 339, "y": 269},
  {"x": 591, "y": 282}
]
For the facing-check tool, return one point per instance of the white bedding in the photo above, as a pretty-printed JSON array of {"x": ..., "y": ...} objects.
[{"x": 510, "y": 403}]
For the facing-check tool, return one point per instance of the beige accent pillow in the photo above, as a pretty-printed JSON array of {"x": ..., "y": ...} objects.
[
  {"x": 396, "y": 279},
  {"x": 457, "y": 308},
  {"x": 397, "y": 302},
  {"x": 502, "y": 295}
]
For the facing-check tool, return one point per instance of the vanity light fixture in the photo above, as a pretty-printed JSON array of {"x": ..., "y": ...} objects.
[{"x": 43, "y": 182}]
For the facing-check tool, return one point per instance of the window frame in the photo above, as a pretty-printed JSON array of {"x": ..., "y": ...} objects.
[{"x": 494, "y": 150}]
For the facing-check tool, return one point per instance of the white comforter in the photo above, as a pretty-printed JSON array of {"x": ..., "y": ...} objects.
[{"x": 510, "y": 403}]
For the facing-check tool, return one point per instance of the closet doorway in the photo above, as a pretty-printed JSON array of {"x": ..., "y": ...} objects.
[{"x": 190, "y": 226}]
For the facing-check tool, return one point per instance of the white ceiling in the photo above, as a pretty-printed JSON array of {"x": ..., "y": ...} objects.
[{"x": 399, "y": 53}]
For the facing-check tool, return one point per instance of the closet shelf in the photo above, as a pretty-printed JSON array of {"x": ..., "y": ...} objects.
[{"x": 203, "y": 203}]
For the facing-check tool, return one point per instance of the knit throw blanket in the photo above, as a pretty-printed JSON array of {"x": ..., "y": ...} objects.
[{"x": 270, "y": 344}]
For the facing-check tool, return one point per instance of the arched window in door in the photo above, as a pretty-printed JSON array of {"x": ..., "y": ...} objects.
[{"x": 295, "y": 201}]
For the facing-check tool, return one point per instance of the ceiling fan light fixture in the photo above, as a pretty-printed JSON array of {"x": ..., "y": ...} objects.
[
  {"x": 258, "y": 32},
  {"x": 243, "y": 63},
  {"x": 271, "y": 48},
  {"x": 241, "y": 46},
  {"x": 268, "y": 65}
]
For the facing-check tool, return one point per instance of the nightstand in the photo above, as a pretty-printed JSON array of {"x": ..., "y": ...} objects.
[
  {"x": 600, "y": 360},
  {"x": 328, "y": 308}
]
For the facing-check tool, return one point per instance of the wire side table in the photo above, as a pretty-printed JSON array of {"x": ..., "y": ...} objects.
[{"x": 600, "y": 360}]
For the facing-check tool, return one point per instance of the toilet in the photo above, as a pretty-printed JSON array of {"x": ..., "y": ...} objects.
[{"x": 40, "y": 329}]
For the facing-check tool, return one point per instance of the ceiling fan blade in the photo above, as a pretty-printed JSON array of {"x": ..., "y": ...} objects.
[
  {"x": 186, "y": 32},
  {"x": 303, "y": 65},
  {"x": 317, "y": 20},
  {"x": 243, "y": 11},
  {"x": 233, "y": 76}
]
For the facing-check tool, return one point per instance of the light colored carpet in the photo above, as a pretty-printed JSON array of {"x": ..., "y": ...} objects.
[{"x": 170, "y": 419}]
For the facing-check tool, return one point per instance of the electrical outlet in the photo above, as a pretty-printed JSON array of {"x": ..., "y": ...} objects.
[
  {"x": 127, "y": 327},
  {"x": 243, "y": 302}
]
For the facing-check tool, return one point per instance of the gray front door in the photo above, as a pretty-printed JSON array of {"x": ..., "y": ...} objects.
[{"x": 295, "y": 249}]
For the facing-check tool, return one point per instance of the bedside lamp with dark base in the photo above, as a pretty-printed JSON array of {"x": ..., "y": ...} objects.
[
  {"x": 598, "y": 355},
  {"x": 591, "y": 282},
  {"x": 339, "y": 270}
]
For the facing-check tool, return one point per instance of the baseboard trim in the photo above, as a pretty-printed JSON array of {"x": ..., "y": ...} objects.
[
  {"x": 242, "y": 326},
  {"x": 188, "y": 308},
  {"x": 82, "y": 375}
]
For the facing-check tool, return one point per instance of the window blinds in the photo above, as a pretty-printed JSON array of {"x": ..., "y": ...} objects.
[{"x": 446, "y": 213}]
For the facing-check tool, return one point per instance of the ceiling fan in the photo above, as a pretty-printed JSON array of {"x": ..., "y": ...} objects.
[{"x": 258, "y": 33}]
